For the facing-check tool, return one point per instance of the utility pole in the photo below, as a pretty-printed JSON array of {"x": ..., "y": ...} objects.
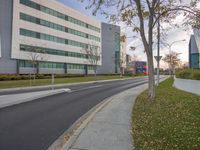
[{"x": 158, "y": 52}]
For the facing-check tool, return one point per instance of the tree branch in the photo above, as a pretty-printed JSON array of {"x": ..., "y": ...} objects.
[{"x": 142, "y": 32}]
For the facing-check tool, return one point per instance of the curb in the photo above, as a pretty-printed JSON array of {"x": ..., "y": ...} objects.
[
  {"x": 34, "y": 98},
  {"x": 58, "y": 85},
  {"x": 70, "y": 135},
  {"x": 66, "y": 140},
  {"x": 81, "y": 128}
]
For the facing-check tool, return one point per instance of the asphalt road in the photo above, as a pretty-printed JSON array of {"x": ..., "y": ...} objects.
[{"x": 37, "y": 124}]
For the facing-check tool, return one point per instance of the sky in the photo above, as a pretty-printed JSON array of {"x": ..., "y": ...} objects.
[{"x": 176, "y": 34}]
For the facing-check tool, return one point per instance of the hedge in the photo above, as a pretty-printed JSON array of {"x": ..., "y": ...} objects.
[
  {"x": 7, "y": 77},
  {"x": 193, "y": 74}
]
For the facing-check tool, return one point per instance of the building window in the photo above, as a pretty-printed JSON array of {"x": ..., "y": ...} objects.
[
  {"x": 29, "y": 48},
  {"x": 48, "y": 24},
  {"x": 58, "y": 14},
  {"x": 52, "y": 38}
]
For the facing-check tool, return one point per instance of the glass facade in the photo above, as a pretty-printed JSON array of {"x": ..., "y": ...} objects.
[
  {"x": 57, "y": 14},
  {"x": 53, "y": 65},
  {"x": 55, "y": 26},
  {"x": 117, "y": 52},
  {"x": 29, "y": 48},
  {"x": 25, "y": 64},
  {"x": 194, "y": 50},
  {"x": 52, "y": 38},
  {"x": 195, "y": 61}
]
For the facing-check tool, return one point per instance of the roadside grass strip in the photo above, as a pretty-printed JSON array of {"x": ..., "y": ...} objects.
[
  {"x": 171, "y": 122},
  {"x": 40, "y": 82}
]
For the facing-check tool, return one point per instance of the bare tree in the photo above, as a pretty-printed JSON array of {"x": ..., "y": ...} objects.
[
  {"x": 172, "y": 60},
  {"x": 122, "y": 57},
  {"x": 183, "y": 65},
  {"x": 143, "y": 16},
  {"x": 93, "y": 54},
  {"x": 35, "y": 55},
  {"x": 122, "y": 62}
]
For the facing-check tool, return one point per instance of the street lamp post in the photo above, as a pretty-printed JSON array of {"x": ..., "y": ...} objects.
[{"x": 170, "y": 50}]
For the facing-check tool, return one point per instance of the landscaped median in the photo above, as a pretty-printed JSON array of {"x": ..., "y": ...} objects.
[
  {"x": 172, "y": 121},
  {"x": 40, "y": 82}
]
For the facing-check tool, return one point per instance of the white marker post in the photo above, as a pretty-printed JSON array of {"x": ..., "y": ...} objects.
[
  {"x": 52, "y": 81},
  {"x": 158, "y": 58}
]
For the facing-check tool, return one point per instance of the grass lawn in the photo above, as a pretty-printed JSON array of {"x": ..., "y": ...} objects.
[
  {"x": 172, "y": 122},
  {"x": 38, "y": 82}
]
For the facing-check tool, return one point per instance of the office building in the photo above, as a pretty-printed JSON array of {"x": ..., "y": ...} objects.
[
  {"x": 138, "y": 67},
  {"x": 110, "y": 49},
  {"x": 194, "y": 50},
  {"x": 45, "y": 36},
  {"x": 128, "y": 58}
]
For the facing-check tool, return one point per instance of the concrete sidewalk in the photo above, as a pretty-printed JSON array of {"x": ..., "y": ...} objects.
[
  {"x": 109, "y": 127},
  {"x": 13, "y": 99}
]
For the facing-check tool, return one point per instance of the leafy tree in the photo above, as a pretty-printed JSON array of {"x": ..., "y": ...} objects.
[
  {"x": 172, "y": 60},
  {"x": 142, "y": 16}
]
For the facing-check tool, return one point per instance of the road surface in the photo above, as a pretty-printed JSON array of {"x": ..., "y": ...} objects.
[{"x": 37, "y": 124}]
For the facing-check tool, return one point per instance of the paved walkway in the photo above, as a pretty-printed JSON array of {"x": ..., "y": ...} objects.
[
  {"x": 110, "y": 127},
  {"x": 192, "y": 86}
]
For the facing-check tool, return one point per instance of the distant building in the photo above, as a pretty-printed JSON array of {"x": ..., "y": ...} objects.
[
  {"x": 138, "y": 67},
  {"x": 110, "y": 49},
  {"x": 32, "y": 28},
  {"x": 128, "y": 58},
  {"x": 194, "y": 50}
]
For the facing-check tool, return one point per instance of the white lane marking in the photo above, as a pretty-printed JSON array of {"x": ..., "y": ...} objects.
[
  {"x": 90, "y": 87},
  {"x": 66, "y": 90}
]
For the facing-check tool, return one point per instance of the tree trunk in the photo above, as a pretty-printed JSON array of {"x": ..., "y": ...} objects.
[
  {"x": 147, "y": 45},
  {"x": 151, "y": 78},
  {"x": 150, "y": 57}
]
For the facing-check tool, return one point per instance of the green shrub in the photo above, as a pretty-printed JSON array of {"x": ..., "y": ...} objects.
[
  {"x": 3, "y": 77},
  {"x": 25, "y": 77},
  {"x": 40, "y": 76},
  {"x": 196, "y": 75},
  {"x": 7, "y": 77},
  {"x": 69, "y": 75},
  {"x": 128, "y": 73},
  {"x": 188, "y": 74},
  {"x": 185, "y": 73},
  {"x": 15, "y": 77}
]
